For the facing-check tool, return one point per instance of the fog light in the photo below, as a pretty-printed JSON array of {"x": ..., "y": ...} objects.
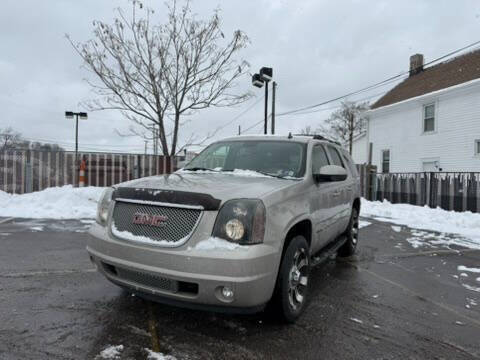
[{"x": 227, "y": 293}]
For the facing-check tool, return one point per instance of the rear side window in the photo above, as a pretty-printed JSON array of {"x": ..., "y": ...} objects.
[
  {"x": 319, "y": 158},
  {"x": 335, "y": 156}
]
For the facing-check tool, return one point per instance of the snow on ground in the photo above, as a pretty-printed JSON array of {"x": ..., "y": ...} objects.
[
  {"x": 396, "y": 228},
  {"x": 363, "y": 223},
  {"x": 158, "y": 356},
  {"x": 468, "y": 269},
  {"x": 64, "y": 202},
  {"x": 465, "y": 225},
  {"x": 111, "y": 352}
]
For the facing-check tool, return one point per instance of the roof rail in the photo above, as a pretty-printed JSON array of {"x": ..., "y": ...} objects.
[{"x": 319, "y": 137}]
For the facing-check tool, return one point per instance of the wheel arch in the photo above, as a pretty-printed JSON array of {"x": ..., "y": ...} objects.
[{"x": 302, "y": 227}]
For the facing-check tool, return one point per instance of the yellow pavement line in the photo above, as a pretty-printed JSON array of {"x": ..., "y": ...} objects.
[
  {"x": 152, "y": 327},
  {"x": 416, "y": 294}
]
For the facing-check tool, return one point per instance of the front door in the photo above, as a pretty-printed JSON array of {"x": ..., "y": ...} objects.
[
  {"x": 342, "y": 193},
  {"x": 322, "y": 203}
]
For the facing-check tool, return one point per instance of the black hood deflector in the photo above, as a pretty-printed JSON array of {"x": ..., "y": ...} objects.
[{"x": 207, "y": 201}]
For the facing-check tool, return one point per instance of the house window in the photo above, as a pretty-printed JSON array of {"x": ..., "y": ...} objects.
[
  {"x": 477, "y": 147},
  {"x": 429, "y": 118},
  {"x": 385, "y": 161}
]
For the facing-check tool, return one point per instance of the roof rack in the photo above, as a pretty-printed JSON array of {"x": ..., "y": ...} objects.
[{"x": 319, "y": 137}]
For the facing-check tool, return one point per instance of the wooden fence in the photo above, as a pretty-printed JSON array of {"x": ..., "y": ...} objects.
[
  {"x": 23, "y": 171},
  {"x": 458, "y": 191}
]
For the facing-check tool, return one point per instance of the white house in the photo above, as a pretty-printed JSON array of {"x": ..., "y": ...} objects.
[
  {"x": 428, "y": 122},
  {"x": 359, "y": 149}
]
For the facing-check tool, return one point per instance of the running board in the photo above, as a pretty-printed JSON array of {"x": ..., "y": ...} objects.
[{"x": 328, "y": 251}]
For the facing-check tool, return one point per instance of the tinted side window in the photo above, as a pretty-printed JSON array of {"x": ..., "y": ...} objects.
[
  {"x": 319, "y": 158},
  {"x": 335, "y": 156}
]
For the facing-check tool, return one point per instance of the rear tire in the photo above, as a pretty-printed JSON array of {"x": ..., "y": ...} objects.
[
  {"x": 292, "y": 284},
  {"x": 348, "y": 249}
]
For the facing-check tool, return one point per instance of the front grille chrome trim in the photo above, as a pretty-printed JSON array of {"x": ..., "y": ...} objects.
[
  {"x": 160, "y": 244},
  {"x": 155, "y": 203}
]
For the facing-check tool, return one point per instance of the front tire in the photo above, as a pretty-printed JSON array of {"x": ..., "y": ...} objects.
[
  {"x": 293, "y": 277},
  {"x": 348, "y": 249}
]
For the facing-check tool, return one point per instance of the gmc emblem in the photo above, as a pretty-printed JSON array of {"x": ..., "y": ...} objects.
[{"x": 147, "y": 219}]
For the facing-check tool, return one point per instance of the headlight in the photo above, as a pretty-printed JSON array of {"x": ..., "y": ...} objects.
[
  {"x": 241, "y": 221},
  {"x": 234, "y": 229},
  {"x": 103, "y": 206}
]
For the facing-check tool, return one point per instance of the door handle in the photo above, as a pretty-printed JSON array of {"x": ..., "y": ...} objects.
[{"x": 336, "y": 193}]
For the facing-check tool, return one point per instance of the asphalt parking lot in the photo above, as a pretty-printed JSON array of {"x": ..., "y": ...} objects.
[{"x": 390, "y": 301}]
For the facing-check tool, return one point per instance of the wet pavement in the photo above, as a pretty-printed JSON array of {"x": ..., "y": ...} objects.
[{"x": 390, "y": 301}]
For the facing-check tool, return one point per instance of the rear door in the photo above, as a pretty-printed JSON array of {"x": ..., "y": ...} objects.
[
  {"x": 322, "y": 203},
  {"x": 342, "y": 193}
]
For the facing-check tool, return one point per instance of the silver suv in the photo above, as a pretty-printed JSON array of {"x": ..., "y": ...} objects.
[{"x": 239, "y": 227}]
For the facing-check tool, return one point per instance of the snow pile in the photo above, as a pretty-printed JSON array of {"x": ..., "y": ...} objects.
[
  {"x": 64, "y": 202},
  {"x": 215, "y": 243},
  {"x": 111, "y": 352},
  {"x": 465, "y": 224}
]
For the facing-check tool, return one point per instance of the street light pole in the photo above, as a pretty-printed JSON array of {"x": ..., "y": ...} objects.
[
  {"x": 81, "y": 116},
  {"x": 263, "y": 77}
]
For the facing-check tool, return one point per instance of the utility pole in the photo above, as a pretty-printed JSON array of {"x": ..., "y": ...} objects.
[
  {"x": 274, "y": 87},
  {"x": 146, "y": 142},
  {"x": 239, "y": 130},
  {"x": 266, "y": 110}
]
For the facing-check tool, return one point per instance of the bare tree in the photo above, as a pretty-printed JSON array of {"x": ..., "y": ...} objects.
[
  {"x": 307, "y": 130},
  {"x": 347, "y": 122},
  {"x": 9, "y": 139},
  {"x": 160, "y": 73}
]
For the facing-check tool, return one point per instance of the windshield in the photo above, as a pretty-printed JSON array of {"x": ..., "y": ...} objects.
[{"x": 276, "y": 158}]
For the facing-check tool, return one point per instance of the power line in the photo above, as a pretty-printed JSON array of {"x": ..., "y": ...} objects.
[
  {"x": 375, "y": 85},
  {"x": 240, "y": 114},
  {"x": 338, "y": 106},
  {"x": 256, "y": 124}
]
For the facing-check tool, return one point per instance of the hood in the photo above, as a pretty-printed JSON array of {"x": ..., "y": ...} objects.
[{"x": 222, "y": 186}]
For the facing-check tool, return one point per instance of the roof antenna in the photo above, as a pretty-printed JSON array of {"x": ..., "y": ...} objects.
[{"x": 290, "y": 135}]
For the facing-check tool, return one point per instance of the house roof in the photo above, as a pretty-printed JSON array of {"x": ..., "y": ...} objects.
[{"x": 453, "y": 72}]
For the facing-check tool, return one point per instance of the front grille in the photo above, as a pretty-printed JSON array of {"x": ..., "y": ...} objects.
[
  {"x": 149, "y": 280},
  {"x": 178, "y": 222}
]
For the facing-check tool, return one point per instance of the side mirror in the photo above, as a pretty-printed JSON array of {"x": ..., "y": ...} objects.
[{"x": 330, "y": 173}]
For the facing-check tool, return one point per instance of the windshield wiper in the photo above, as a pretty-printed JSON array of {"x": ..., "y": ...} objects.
[
  {"x": 257, "y": 171},
  {"x": 200, "y": 169},
  {"x": 268, "y": 174}
]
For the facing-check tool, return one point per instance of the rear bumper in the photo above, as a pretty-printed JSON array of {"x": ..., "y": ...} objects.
[{"x": 187, "y": 276}]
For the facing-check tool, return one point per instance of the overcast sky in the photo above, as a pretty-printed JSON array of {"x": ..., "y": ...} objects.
[{"x": 318, "y": 50}]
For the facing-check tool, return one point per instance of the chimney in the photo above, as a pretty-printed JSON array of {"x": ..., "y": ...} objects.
[{"x": 416, "y": 64}]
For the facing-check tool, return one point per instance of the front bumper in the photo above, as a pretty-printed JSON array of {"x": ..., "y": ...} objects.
[{"x": 186, "y": 275}]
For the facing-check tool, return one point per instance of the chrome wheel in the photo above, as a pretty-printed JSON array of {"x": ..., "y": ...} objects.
[{"x": 298, "y": 279}]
